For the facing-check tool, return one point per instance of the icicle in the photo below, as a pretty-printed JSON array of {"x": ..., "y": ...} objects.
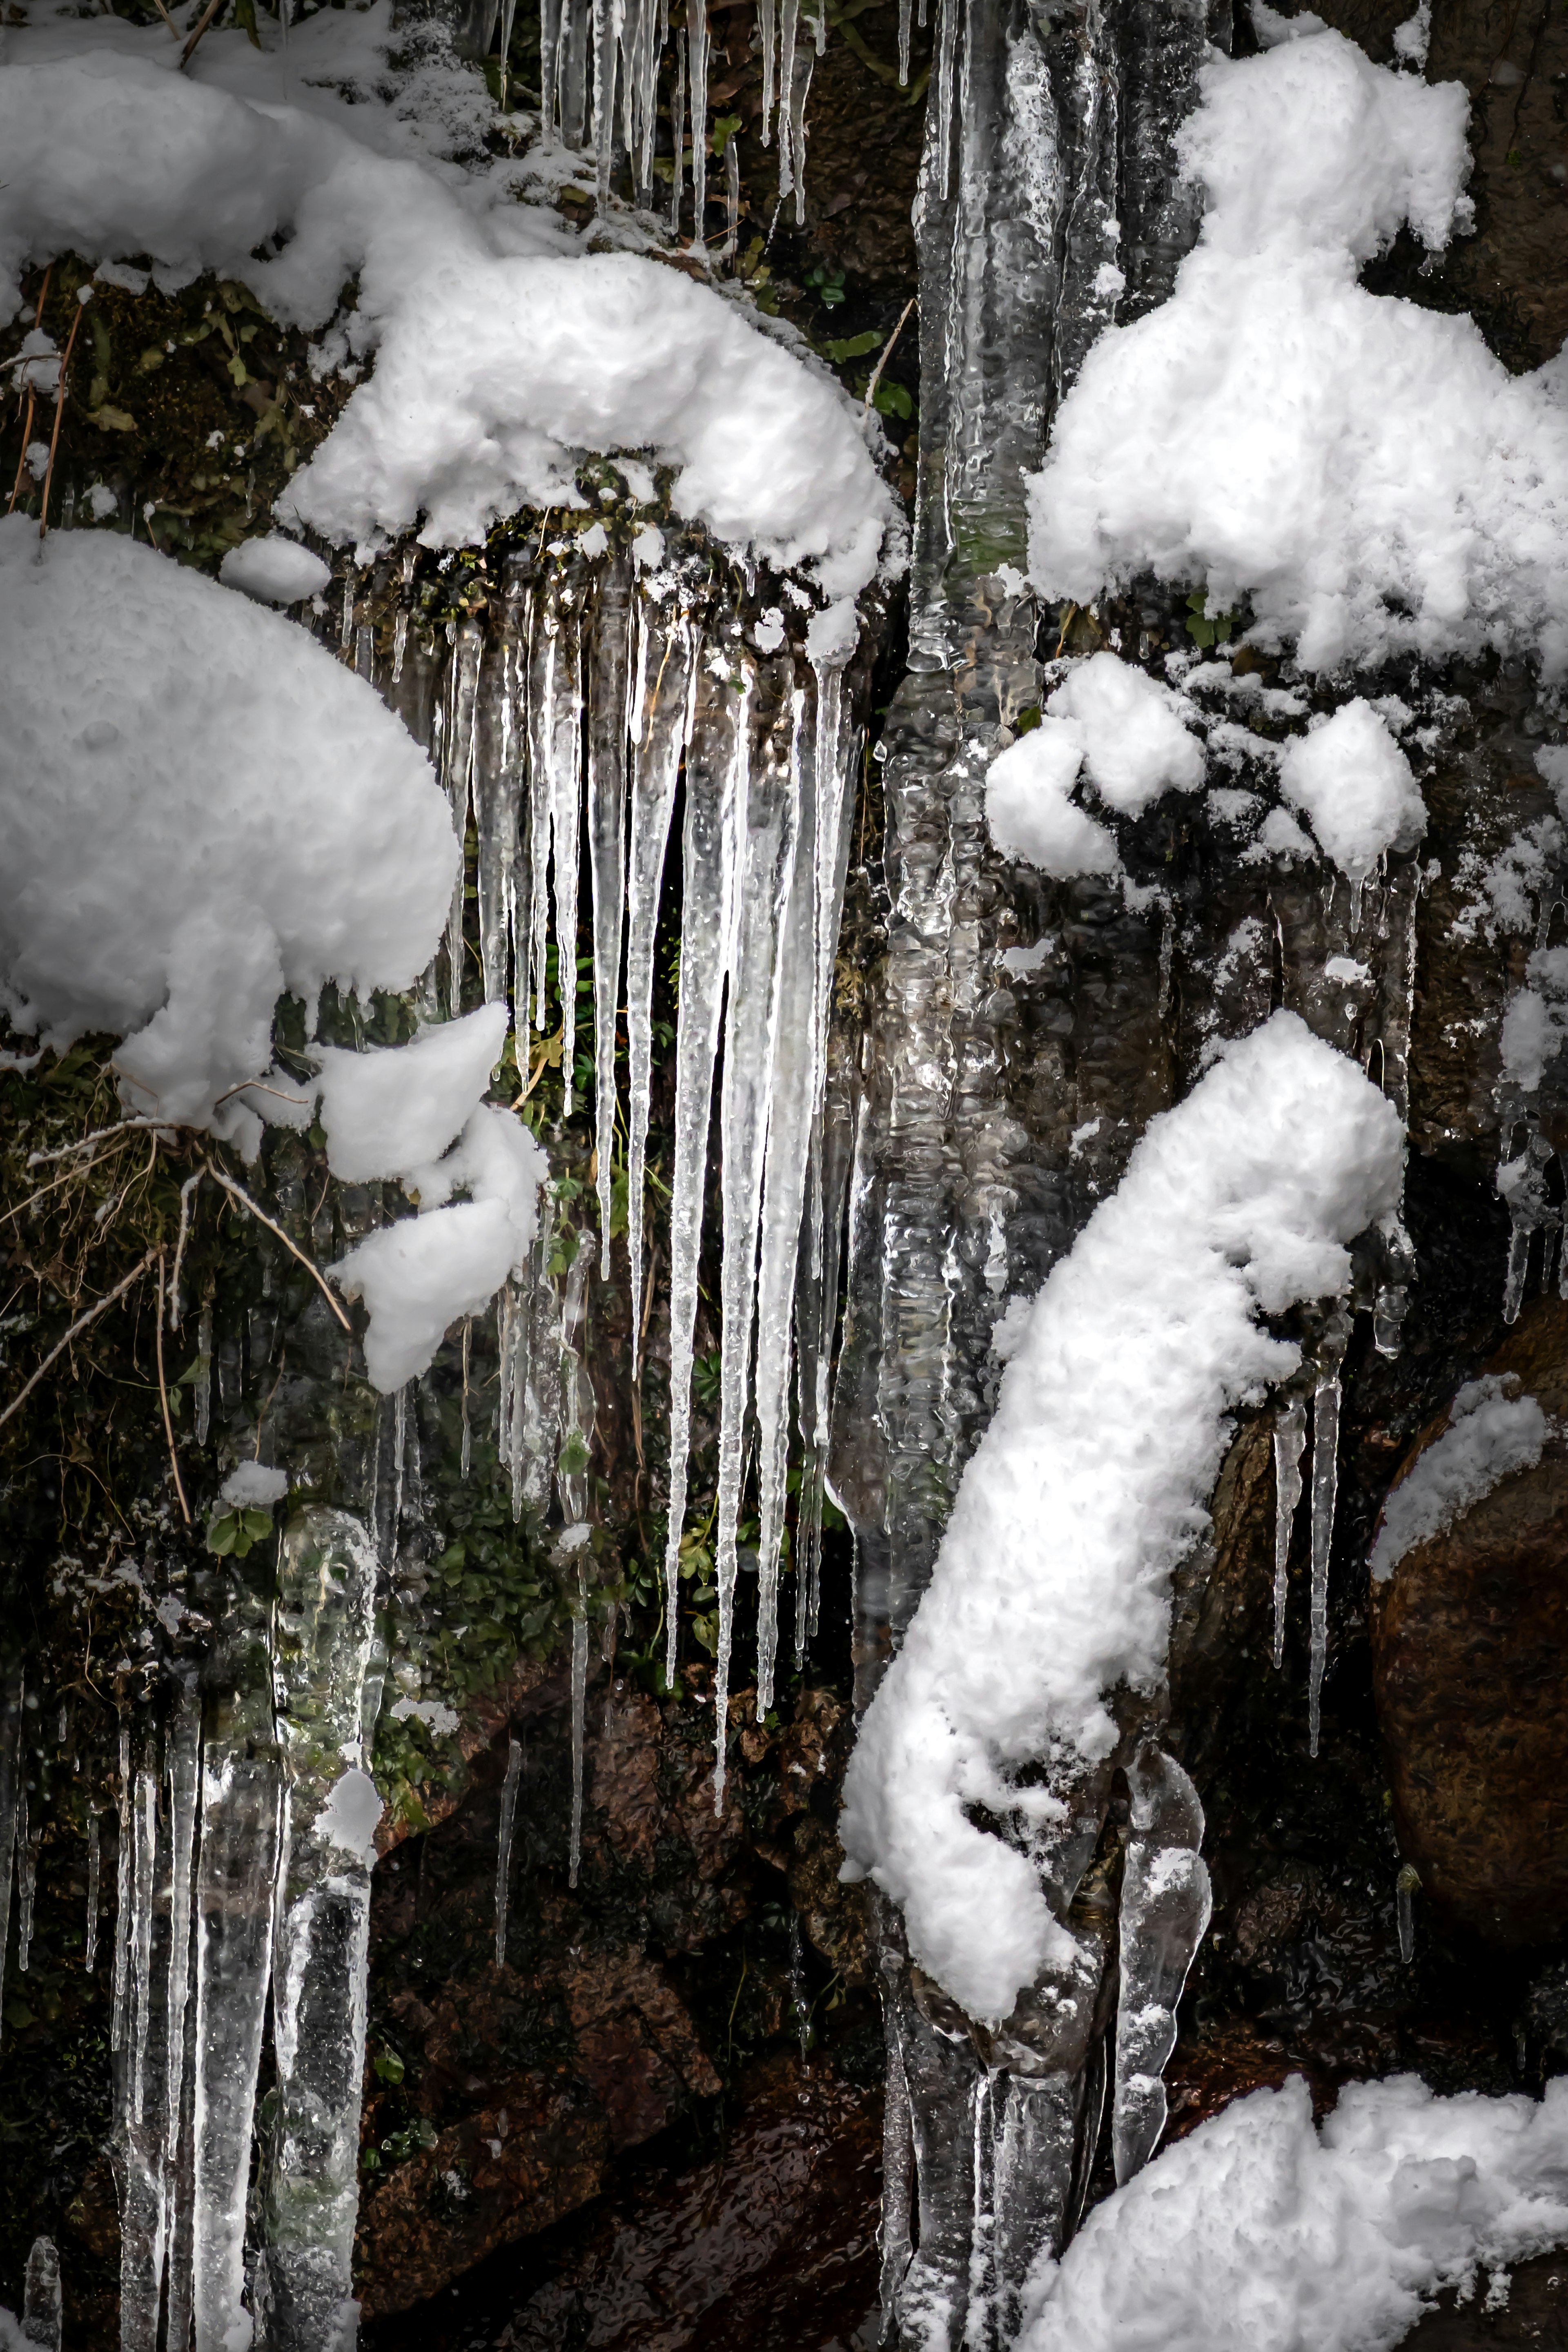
[
  {"x": 766, "y": 819},
  {"x": 399, "y": 646},
  {"x": 578, "y": 1405},
  {"x": 667, "y": 680},
  {"x": 699, "y": 49},
  {"x": 41, "y": 2312},
  {"x": 458, "y": 747},
  {"x": 576, "y": 26},
  {"x": 789, "y": 24},
  {"x": 607, "y": 44},
  {"x": 541, "y": 650},
  {"x": 327, "y": 1672},
  {"x": 708, "y": 860},
  {"x": 731, "y": 198},
  {"x": 26, "y": 1881},
  {"x": 767, "y": 26},
  {"x": 203, "y": 1383},
  {"x": 1165, "y": 1908},
  {"x": 503, "y": 1853},
  {"x": 564, "y": 720},
  {"x": 498, "y": 784},
  {"x": 94, "y": 1867},
  {"x": 144, "y": 1838},
  {"x": 941, "y": 92},
  {"x": 241, "y": 1798},
  {"x": 549, "y": 66},
  {"x": 678, "y": 133},
  {"x": 610, "y": 659},
  {"x": 184, "y": 1777},
  {"x": 897, "y": 2163},
  {"x": 1290, "y": 1439},
  {"x": 399, "y": 1456},
  {"x": 466, "y": 1450},
  {"x": 904, "y": 27},
  {"x": 579, "y": 1710},
  {"x": 789, "y": 1123},
  {"x": 1325, "y": 1485},
  {"x": 798, "y": 2002},
  {"x": 121, "y": 1895},
  {"x": 1521, "y": 1181},
  {"x": 1404, "y": 1887}
]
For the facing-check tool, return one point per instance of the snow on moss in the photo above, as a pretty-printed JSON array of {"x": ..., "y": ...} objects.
[
  {"x": 1052, "y": 1585},
  {"x": 199, "y": 810},
  {"x": 1261, "y": 2233},
  {"x": 498, "y": 362},
  {"x": 1490, "y": 1434},
  {"x": 1362, "y": 470}
]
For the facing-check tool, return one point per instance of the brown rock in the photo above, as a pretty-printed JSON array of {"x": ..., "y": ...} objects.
[{"x": 1469, "y": 1641}]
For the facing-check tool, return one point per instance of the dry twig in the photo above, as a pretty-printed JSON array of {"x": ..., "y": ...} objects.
[
  {"x": 261, "y": 1216},
  {"x": 83, "y": 296},
  {"x": 163, "y": 1401},
  {"x": 882, "y": 359},
  {"x": 186, "y": 1189},
  {"x": 80, "y": 1326}
]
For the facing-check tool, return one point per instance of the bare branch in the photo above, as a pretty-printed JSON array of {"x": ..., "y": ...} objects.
[
  {"x": 75, "y": 1330},
  {"x": 163, "y": 1401}
]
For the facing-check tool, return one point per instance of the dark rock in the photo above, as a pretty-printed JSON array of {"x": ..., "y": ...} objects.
[
  {"x": 1469, "y": 1640},
  {"x": 1530, "y": 2308}
]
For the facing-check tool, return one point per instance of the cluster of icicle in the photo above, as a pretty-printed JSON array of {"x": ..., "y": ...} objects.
[
  {"x": 562, "y": 730},
  {"x": 599, "y": 71},
  {"x": 243, "y": 1870}
]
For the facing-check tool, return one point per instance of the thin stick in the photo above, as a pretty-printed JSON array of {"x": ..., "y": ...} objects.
[
  {"x": 77, "y": 1328},
  {"x": 254, "y": 1086},
  {"x": 186, "y": 1189},
  {"x": 59, "y": 412},
  {"x": 52, "y": 1186},
  {"x": 262, "y": 1218},
  {"x": 84, "y": 1142},
  {"x": 163, "y": 1401},
  {"x": 208, "y": 13},
  {"x": 887, "y": 347},
  {"x": 22, "y": 460}
]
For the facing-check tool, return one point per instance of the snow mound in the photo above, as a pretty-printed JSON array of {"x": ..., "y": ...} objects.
[
  {"x": 1260, "y": 2233},
  {"x": 1091, "y": 1483},
  {"x": 498, "y": 362},
  {"x": 1490, "y": 1435},
  {"x": 226, "y": 813},
  {"x": 388, "y": 1113},
  {"x": 1355, "y": 787},
  {"x": 275, "y": 571},
  {"x": 1124, "y": 730},
  {"x": 253, "y": 1486},
  {"x": 1364, "y": 470},
  {"x": 1536, "y": 1022}
]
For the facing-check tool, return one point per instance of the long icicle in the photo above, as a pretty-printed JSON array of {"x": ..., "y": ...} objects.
[
  {"x": 608, "y": 664},
  {"x": 565, "y": 724},
  {"x": 1290, "y": 1439},
  {"x": 503, "y": 1843},
  {"x": 667, "y": 681},
  {"x": 10, "y": 1776},
  {"x": 698, "y": 50},
  {"x": 788, "y": 1160},
  {"x": 1325, "y": 1487},
  {"x": 769, "y": 834},
  {"x": 708, "y": 856}
]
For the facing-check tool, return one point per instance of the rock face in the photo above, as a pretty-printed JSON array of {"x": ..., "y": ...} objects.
[{"x": 1469, "y": 1648}]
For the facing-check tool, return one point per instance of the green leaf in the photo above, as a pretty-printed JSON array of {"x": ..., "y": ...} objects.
[
  {"x": 724, "y": 129},
  {"x": 853, "y": 347},
  {"x": 892, "y": 400},
  {"x": 389, "y": 2067}
]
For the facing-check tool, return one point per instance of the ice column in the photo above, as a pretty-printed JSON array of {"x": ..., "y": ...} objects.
[
  {"x": 1325, "y": 1488},
  {"x": 41, "y": 2297},
  {"x": 1289, "y": 1438},
  {"x": 327, "y": 1689},
  {"x": 1166, "y": 1907},
  {"x": 609, "y": 660}
]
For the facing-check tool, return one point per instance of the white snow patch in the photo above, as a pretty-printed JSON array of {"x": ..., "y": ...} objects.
[
  {"x": 1030, "y": 810},
  {"x": 497, "y": 360},
  {"x": 1260, "y": 2233},
  {"x": 253, "y": 1486},
  {"x": 1122, "y": 728},
  {"x": 1381, "y": 482},
  {"x": 1536, "y": 1022},
  {"x": 434, "y": 1713},
  {"x": 419, "y": 1277},
  {"x": 391, "y": 1111},
  {"x": 275, "y": 570},
  {"x": 1552, "y": 762},
  {"x": 1091, "y": 1483},
  {"x": 226, "y": 813},
  {"x": 351, "y": 1815},
  {"x": 1353, "y": 785},
  {"x": 1491, "y": 1433}
]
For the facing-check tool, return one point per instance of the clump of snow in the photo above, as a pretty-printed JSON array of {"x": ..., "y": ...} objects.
[
  {"x": 1354, "y": 786},
  {"x": 275, "y": 570},
  {"x": 418, "y": 1276},
  {"x": 1260, "y": 2233},
  {"x": 1124, "y": 730},
  {"x": 1362, "y": 470},
  {"x": 434, "y": 1713},
  {"x": 351, "y": 1816},
  {"x": 1536, "y": 1022},
  {"x": 387, "y": 1113},
  {"x": 1552, "y": 762},
  {"x": 1091, "y": 1483},
  {"x": 253, "y": 1487},
  {"x": 497, "y": 360},
  {"x": 226, "y": 813},
  {"x": 1491, "y": 1433}
]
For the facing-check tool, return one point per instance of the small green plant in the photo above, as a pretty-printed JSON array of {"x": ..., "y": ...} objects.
[{"x": 1203, "y": 627}]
